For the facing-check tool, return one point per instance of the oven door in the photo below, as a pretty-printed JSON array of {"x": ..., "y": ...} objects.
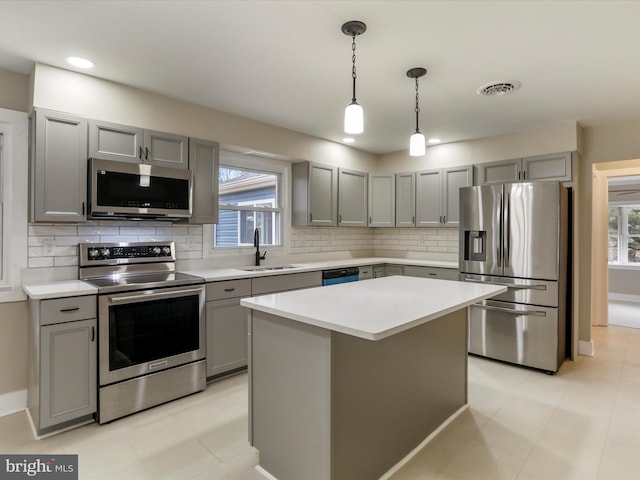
[{"x": 147, "y": 331}]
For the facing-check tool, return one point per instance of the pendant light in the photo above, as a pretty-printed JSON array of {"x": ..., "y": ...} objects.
[
  {"x": 353, "y": 114},
  {"x": 417, "y": 140}
]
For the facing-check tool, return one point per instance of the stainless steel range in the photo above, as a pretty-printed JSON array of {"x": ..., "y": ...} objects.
[{"x": 151, "y": 338}]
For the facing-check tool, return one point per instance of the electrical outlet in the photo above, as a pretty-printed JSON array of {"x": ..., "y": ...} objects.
[{"x": 49, "y": 247}]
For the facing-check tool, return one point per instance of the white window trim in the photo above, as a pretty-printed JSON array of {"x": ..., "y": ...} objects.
[
  {"x": 623, "y": 237},
  {"x": 14, "y": 127},
  {"x": 280, "y": 167}
]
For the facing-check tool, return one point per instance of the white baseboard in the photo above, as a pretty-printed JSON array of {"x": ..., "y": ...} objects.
[
  {"x": 586, "y": 348},
  {"x": 13, "y": 402},
  {"x": 623, "y": 297},
  {"x": 264, "y": 473}
]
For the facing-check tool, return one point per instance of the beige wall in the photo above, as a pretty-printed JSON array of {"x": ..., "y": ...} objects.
[
  {"x": 13, "y": 346},
  {"x": 14, "y": 91},
  {"x": 91, "y": 97}
]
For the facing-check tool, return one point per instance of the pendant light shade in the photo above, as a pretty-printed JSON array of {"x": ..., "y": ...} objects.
[
  {"x": 353, "y": 114},
  {"x": 417, "y": 144},
  {"x": 353, "y": 118},
  {"x": 417, "y": 141}
]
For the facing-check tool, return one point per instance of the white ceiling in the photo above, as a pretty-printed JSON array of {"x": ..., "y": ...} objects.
[{"x": 288, "y": 63}]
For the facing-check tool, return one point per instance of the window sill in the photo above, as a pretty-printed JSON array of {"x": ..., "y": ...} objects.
[{"x": 624, "y": 266}]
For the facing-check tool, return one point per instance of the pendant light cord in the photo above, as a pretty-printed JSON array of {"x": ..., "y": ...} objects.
[
  {"x": 353, "y": 68},
  {"x": 417, "y": 105}
]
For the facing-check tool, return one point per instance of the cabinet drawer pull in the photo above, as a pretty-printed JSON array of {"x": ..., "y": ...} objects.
[
  {"x": 433, "y": 274},
  {"x": 229, "y": 289},
  {"x": 69, "y": 310}
]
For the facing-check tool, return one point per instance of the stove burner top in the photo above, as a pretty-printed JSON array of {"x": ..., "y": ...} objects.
[
  {"x": 119, "y": 282},
  {"x": 118, "y": 267}
]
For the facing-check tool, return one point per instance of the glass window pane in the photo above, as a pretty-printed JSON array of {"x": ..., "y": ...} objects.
[
  {"x": 633, "y": 249},
  {"x": 235, "y": 228},
  {"x": 633, "y": 219},
  {"x": 246, "y": 187},
  {"x": 613, "y": 249},
  {"x": 613, "y": 220}
]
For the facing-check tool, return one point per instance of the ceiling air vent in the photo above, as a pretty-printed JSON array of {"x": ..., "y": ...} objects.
[{"x": 495, "y": 89}]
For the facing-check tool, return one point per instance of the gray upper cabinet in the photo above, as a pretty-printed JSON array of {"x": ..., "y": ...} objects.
[
  {"x": 315, "y": 195},
  {"x": 406, "y": 199},
  {"x": 437, "y": 195},
  {"x": 429, "y": 198},
  {"x": 555, "y": 167},
  {"x": 59, "y": 167},
  {"x": 453, "y": 180},
  {"x": 204, "y": 163},
  {"x": 352, "y": 198},
  {"x": 547, "y": 167},
  {"x": 382, "y": 200},
  {"x": 125, "y": 143},
  {"x": 112, "y": 141}
]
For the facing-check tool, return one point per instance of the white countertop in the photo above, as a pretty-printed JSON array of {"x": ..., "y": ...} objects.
[
  {"x": 73, "y": 288},
  {"x": 374, "y": 309},
  {"x": 58, "y": 289},
  {"x": 217, "y": 274}
]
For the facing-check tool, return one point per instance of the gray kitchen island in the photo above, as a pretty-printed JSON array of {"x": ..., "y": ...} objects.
[{"x": 345, "y": 381}]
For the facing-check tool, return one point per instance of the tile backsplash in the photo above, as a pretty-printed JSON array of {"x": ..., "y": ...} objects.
[{"x": 56, "y": 245}]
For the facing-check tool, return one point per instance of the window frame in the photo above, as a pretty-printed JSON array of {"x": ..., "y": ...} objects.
[
  {"x": 623, "y": 235},
  {"x": 14, "y": 130},
  {"x": 259, "y": 164}
]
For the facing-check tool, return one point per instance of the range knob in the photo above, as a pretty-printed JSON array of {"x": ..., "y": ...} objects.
[
  {"x": 105, "y": 252},
  {"x": 156, "y": 250},
  {"x": 93, "y": 253},
  {"x": 166, "y": 250}
]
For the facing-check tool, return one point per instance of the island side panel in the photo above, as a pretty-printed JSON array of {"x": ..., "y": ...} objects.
[
  {"x": 389, "y": 395},
  {"x": 290, "y": 397}
]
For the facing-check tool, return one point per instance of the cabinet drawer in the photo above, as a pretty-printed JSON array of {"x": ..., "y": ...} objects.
[
  {"x": 431, "y": 272},
  {"x": 228, "y": 289},
  {"x": 67, "y": 309}
]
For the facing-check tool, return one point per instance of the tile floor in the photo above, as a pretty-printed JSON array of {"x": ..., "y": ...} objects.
[{"x": 580, "y": 424}]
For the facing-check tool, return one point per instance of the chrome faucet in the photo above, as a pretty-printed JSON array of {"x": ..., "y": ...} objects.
[{"x": 256, "y": 243}]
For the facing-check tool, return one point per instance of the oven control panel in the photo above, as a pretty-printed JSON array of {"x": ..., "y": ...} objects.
[{"x": 116, "y": 253}]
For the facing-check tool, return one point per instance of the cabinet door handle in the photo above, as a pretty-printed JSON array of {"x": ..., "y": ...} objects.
[
  {"x": 518, "y": 176},
  {"x": 310, "y": 217},
  {"x": 83, "y": 209},
  {"x": 69, "y": 310},
  {"x": 229, "y": 289},
  {"x": 339, "y": 218},
  {"x": 444, "y": 219},
  {"x": 93, "y": 334},
  {"x": 413, "y": 220},
  {"x": 140, "y": 152},
  {"x": 146, "y": 153},
  {"x": 524, "y": 175},
  {"x": 370, "y": 220}
]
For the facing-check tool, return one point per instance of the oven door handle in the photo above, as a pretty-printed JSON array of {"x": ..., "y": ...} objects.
[{"x": 154, "y": 296}]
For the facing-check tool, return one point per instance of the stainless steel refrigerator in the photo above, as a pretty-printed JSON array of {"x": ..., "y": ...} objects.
[{"x": 516, "y": 234}]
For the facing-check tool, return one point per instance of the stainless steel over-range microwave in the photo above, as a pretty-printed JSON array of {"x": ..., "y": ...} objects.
[{"x": 138, "y": 190}]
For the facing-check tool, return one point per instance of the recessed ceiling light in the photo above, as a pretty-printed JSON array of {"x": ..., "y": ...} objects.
[
  {"x": 348, "y": 140},
  {"x": 80, "y": 62},
  {"x": 434, "y": 140}
]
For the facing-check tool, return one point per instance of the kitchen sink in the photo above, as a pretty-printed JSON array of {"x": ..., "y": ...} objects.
[{"x": 266, "y": 269}]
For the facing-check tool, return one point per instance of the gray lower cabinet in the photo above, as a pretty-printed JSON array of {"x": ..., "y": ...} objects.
[
  {"x": 58, "y": 167},
  {"x": 314, "y": 195},
  {"x": 352, "y": 198},
  {"x": 62, "y": 362},
  {"x": 125, "y": 143},
  {"x": 226, "y": 325},
  {"x": 204, "y": 163},
  {"x": 431, "y": 272}
]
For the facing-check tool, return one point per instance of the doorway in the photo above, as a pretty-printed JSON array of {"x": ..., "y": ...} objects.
[{"x": 602, "y": 173}]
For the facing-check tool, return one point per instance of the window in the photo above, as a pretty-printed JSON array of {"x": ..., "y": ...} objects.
[
  {"x": 13, "y": 202},
  {"x": 624, "y": 234},
  {"x": 249, "y": 199}
]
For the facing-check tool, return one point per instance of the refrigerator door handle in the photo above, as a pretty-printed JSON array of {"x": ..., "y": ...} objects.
[
  {"x": 508, "y": 285},
  {"x": 507, "y": 231},
  {"x": 535, "y": 313},
  {"x": 500, "y": 232}
]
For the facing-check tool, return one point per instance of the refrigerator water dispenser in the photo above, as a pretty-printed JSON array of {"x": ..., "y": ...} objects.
[{"x": 475, "y": 245}]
